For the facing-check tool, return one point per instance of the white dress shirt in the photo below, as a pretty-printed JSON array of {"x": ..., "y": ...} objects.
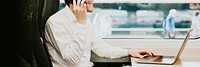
[
  {"x": 74, "y": 42},
  {"x": 195, "y": 26},
  {"x": 103, "y": 24}
]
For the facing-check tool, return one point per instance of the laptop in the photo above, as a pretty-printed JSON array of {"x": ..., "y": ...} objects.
[{"x": 165, "y": 59}]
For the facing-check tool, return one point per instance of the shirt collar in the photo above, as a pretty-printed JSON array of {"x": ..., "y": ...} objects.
[{"x": 69, "y": 14}]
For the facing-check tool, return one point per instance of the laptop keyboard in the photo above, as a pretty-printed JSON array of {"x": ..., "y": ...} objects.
[
  {"x": 151, "y": 58},
  {"x": 160, "y": 59},
  {"x": 169, "y": 58}
]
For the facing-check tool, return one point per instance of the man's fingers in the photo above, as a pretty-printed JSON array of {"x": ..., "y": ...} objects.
[
  {"x": 74, "y": 5},
  {"x": 149, "y": 52},
  {"x": 139, "y": 56},
  {"x": 85, "y": 9},
  {"x": 82, "y": 3},
  {"x": 78, "y": 3},
  {"x": 146, "y": 52},
  {"x": 152, "y": 54}
]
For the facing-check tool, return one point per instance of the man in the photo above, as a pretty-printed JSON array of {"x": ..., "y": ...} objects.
[
  {"x": 75, "y": 38},
  {"x": 169, "y": 24},
  {"x": 195, "y": 25}
]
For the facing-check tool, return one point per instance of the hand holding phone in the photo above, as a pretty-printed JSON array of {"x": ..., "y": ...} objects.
[{"x": 79, "y": 10}]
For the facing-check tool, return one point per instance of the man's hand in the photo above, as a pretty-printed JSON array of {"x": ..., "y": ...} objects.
[
  {"x": 79, "y": 10},
  {"x": 140, "y": 54}
]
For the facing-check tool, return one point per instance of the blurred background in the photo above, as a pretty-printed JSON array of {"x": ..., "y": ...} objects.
[{"x": 141, "y": 20}]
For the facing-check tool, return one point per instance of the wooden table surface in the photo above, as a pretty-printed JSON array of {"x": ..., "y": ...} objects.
[{"x": 189, "y": 58}]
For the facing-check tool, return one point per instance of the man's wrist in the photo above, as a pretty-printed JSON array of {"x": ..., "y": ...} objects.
[{"x": 130, "y": 51}]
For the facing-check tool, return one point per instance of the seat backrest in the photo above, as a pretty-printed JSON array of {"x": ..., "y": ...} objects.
[
  {"x": 50, "y": 7},
  {"x": 27, "y": 49},
  {"x": 26, "y": 20}
]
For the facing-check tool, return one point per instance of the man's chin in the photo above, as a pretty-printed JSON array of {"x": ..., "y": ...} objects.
[{"x": 90, "y": 10}]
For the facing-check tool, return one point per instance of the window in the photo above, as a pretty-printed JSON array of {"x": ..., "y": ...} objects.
[
  {"x": 143, "y": 20},
  {"x": 127, "y": 19}
]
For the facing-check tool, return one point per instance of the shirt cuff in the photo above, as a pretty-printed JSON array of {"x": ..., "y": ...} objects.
[{"x": 124, "y": 52}]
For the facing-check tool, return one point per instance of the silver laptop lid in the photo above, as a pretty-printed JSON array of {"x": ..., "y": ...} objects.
[{"x": 183, "y": 44}]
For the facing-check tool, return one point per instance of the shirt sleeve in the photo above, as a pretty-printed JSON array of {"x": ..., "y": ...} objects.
[
  {"x": 193, "y": 23},
  {"x": 70, "y": 50},
  {"x": 103, "y": 49}
]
